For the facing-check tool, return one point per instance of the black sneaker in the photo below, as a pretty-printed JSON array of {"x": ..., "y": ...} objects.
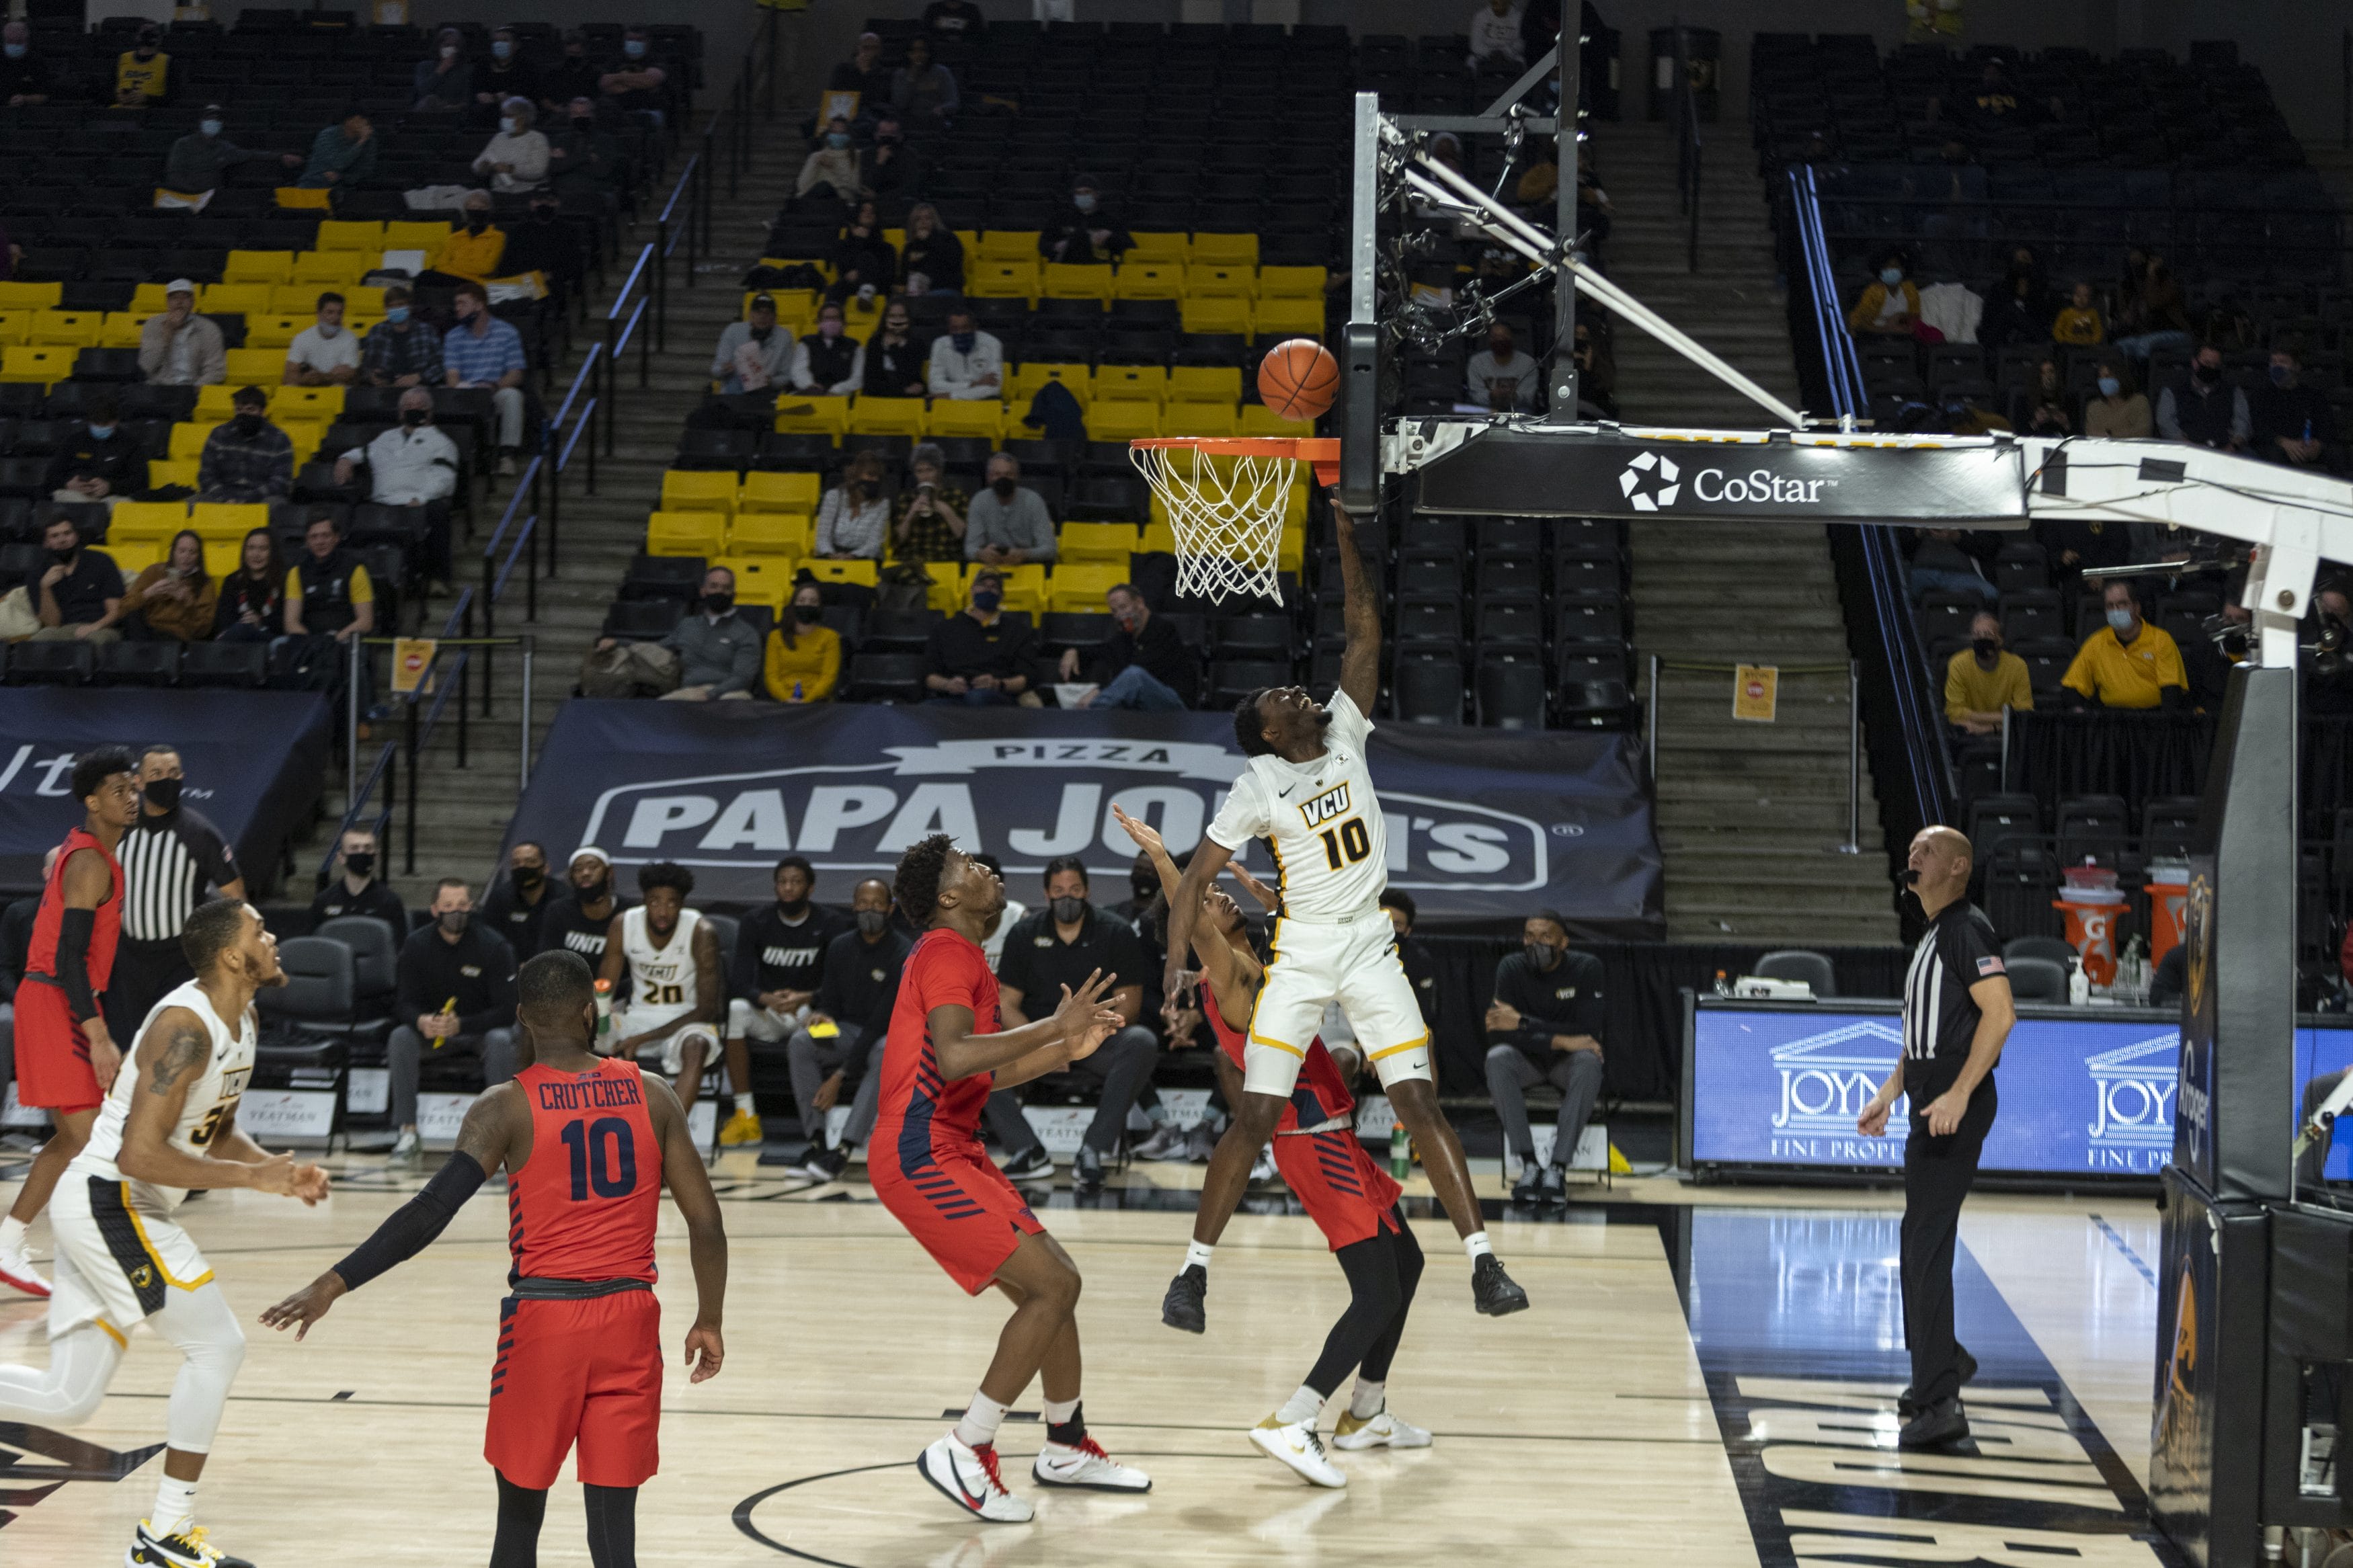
[
  {"x": 1182, "y": 1307},
  {"x": 1086, "y": 1171},
  {"x": 187, "y": 1550},
  {"x": 1964, "y": 1363},
  {"x": 1942, "y": 1423},
  {"x": 1529, "y": 1188},
  {"x": 1494, "y": 1291},
  {"x": 826, "y": 1164},
  {"x": 1554, "y": 1192},
  {"x": 1030, "y": 1165}
]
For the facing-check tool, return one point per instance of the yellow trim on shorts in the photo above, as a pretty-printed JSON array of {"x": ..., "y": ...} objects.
[
  {"x": 155, "y": 1257},
  {"x": 1258, "y": 1039},
  {"x": 1422, "y": 1039},
  {"x": 113, "y": 1333}
]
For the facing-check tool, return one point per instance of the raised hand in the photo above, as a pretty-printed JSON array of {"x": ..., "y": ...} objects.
[
  {"x": 1269, "y": 899},
  {"x": 1148, "y": 838},
  {"x": 1100, "y": 1027},
  {"x": 1072, "y": 1013}
]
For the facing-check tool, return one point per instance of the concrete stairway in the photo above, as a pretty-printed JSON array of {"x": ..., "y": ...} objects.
[{"x": 1750, "y": 815}]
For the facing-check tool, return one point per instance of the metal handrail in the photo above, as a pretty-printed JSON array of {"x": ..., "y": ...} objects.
[
  {"x": 587, "y": 365},
  {"x": 527, "y": 535}
]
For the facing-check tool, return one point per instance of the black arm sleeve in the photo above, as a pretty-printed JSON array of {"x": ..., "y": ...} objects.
[
  {"x": 410, "y": 1229},
  {"x": 73, "y": 962}
]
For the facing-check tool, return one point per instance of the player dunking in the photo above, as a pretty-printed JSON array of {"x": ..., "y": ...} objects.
[
  {"x": 66, "y": 1061},
  {"x": 1306, "y": 789},
  {"x": 1352, "y": 1201},
  {"x": 168, "y": 1126},
  {"x": 946, "y": 1050},
  {"x": 586, "y": 1142}
]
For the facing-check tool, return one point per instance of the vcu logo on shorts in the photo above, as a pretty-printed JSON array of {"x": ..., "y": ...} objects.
[
  {"x": 143, "y": 1277},
  {"x": 1320, "y": 809}
]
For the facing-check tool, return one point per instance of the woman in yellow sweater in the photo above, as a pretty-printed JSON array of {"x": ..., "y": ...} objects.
[{"x": 804, "y": 654}]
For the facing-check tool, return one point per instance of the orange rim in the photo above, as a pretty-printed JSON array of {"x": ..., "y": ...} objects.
[{"x": 1323, "y": 451}]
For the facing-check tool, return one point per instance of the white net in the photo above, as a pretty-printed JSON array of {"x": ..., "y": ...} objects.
[{"x": 1225, "y": 512}]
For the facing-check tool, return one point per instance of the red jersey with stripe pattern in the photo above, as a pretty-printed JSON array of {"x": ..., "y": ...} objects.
[
  {"x": 585, "y": 1203},
  {"x": 41, "y": 952},
  {"x": 920, "y": 1108},
  {"x": 1321, "y": 1095}
]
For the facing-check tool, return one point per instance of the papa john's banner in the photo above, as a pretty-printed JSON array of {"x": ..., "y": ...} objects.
[{"x": 1482, "y": 824}]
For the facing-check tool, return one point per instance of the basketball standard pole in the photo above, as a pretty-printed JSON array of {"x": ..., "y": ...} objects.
[{"x": 1564, "y": 223}]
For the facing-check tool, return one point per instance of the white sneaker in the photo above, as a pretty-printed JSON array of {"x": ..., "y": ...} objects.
[
  {"x": 189, "y": 1549},
  {"x": 1086, "y": 1465},
  {"x": 1379, "y": 1430},
  {"x": 17, "y": 1273},
  {"x": 1262, "y": 1169},
  {"x": 408, "y": 1148},
  {"x": 968, "y": 1477},
  {"x": 1298, "y": 1446}
]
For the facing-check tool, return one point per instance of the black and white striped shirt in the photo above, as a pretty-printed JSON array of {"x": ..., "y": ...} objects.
[
  {"x": 168, "y": 861},
  {"x": 1940, "y": 1016}
]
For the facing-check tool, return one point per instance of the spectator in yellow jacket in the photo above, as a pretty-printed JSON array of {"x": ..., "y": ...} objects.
[
  {"x": 470, "y": 255},
  {"x": 1891, "y": 306},
  {"x": 804, "y": 656},
  {"x": 2079, "y": 321},
  {"x": 2128, "y": 663}
]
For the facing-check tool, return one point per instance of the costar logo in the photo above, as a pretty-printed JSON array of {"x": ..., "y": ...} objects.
[{"x": 1653, "y": 496}]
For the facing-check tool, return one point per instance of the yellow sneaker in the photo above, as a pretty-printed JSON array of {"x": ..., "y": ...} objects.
[{"x": 741, "y": 1129}]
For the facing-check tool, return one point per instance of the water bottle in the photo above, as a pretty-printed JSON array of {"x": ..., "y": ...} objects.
[
  {"x": 1721, "y": 989},
  {"x": 604, "y": 1013},
  {"x": 1400, "y": 1152},
  {"x": 2079, "y": 986}
]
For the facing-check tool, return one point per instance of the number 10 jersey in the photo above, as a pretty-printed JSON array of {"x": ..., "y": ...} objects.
[
  {"x": 1331, "y": 846},
  {"x": 585, "y": 1203}
]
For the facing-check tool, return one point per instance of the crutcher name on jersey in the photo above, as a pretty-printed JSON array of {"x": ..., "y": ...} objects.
[
  {"x": 1320, "y": 809},
  {"x": 590, "y": 1094}
]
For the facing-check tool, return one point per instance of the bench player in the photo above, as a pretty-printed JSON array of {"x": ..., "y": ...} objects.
[
  {"x": 678, "y": 982},
  {"x": 1307, "y": 790}
]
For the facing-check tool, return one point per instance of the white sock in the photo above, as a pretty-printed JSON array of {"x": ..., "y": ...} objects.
[
  {"x": 1365, "y": 1402},
  {"x": 12, "y": 1234},
  {"x": 175, "y": 1507},
  {"x": 978, "y": 1428},
  {"x": 1477, "y": 1246},
  {"x": 744, "y": 1106},
  {"x": 1304, "y": 1405},
  {"x": 1197, "y": 1252},
  {"x": 1059, "y": 1411}
]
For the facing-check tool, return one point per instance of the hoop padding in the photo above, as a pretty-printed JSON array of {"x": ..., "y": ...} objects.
[{"x": 1227, "y": 514}]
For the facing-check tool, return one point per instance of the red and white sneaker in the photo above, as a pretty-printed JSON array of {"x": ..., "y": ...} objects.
[
  {"x": 1085, "y": 1464},
  {"x": 16, "y": 1273},
  {"x": 969, "y": 1478}
]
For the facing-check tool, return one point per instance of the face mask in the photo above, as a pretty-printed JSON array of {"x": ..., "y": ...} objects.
[
  {"x": 871, "y": 923},
  {"x": 985, "y": 600},
  {"x": 837, "y": 140},
  {"x": 1003, "y": 486},
  {"x": 2280, "y": 374},
  {"x": 448, "y": 51},
  {"x": 101, "y": 432},
  {"x": 1084, "y": 201},
  {"x": 454, "y": 921},
  {"x": 507, "y": 124},
  {"x": 209, "y": 127},
  {"x": 718, "y": 604},
  {"x": 584, "y": 123},
  {"x": 528, "y": 877},
  {"x": 797, "y": 909},
  {"x": 2205, "y": 374},
  {"x": 1891, "y": 276},
  {"x": 1985, "y": 647},
  {"x": 247, "y": 425},
  {"x": 162, "y": 793},
  {"x": 500, "y": 49},
  {"x": 2110, "y": 386},
  {"x": 477, "y": 222},
  {"x": 1542, "y": 954},
  {"x": 65, "y": 557},
  {"x": 1067, "y": 912},
  {"x": 807, "y": 614},
  {"x": 2120, "y": 621},
  {"x": 760, "y": 334},
  {"x": 634, "y": 49},
  {"x": 15, "y": 51},
  {"x": 963, "y": 341},
  {"x": 1143, "y": 887},
  {"x": 362, "y": 864},
  {"x": 329, "y": 330},
  {"x": 396, "y": 314},
  {"x": 829, "y": 330}
]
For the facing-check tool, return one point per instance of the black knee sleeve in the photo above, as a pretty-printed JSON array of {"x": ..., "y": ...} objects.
[
  {"x": 521, "y": 1509},
  {"x": 612, "y": 1526}
]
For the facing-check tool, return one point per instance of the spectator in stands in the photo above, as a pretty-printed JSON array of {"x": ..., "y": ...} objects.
[
  {"x": 445, "y": 83},
  {"x": 638, "y": 83},
  {"x": 886, "y": 168},
  {"x": 583, "y": 158},
  {"x": 508, "y": 73},
  {"x": 718, "y": 650},
  {"x": 953, "y": 21},
  {"x": 1499, "y": 376},
  {"x": 1597, "y": 371},
  {"x": 2128, "y": 663},
  {"x": 1144, "y": 664},
  {"x": 894, "y": 360},
  {"x": 773, "y": 976},
  {"x": 752, "y": 355},
  {"x": 855, "y": 515},
  {"x": 172, "y": 600},
  {"x": 472, "y": 254},
  {"x": 457, "y": 989},
  {"x": 2041, "y": 409},
  {"x": 328, "y": 594},
  {"x": 1983, "y": 679},
  {"x": 342, "y": 155},
  {"x": 400, "y": 350},
  {"x": 862, "y": 259},
  {"x": 143, "y": 73},
  {"x": 977, "y": 656},
  {"x": 829, "y": 362},
  {"x": 1007, "y": 524},
  {"x": 2328, "y": 682},
  {"x": 180, "y": 348},
  {"x": 356, "y": 890},
  {"x": 932, "y": 260},
  {"x": 2017, "y": 310},
  {"x": 1495, "y": 35},
  {"x": 80, "y": 589},
  {"x": 2151, "y": 313},
  {"x": 98, "y": 461},
  {"x": 412, "y": 464},
  {"x": 1939, "y": 566},
  {"x": 966, "y": 363},
  {"x": 2121, "y": 410},
  {"x": 1421, "y": 965},
  {"x": 929, "y": 522},
  {"x": 924, "y": 91},
  {"x": 481, "y": 350},
  {"x": 864, "y": 74},
  {"x": 2291, "y": 423},
  {"x": 831, "y": 167},
  {"x": 2203, "y": 409},
  {"x": 248, "y": 458},
  {"x": 26, "y": 77},
  {"x": 803, "y": 658},
  {"x": 860, "y": 986},
  {"x": 516, "y": 159},
  {"x": 1543, "y": 1026},
  {"x": 2078, "y": 322},
  {"x": 1891, "y": 306},
  {"x": 197, "y": 161},
  {"x": 544, "y": 243},
  {"x": 1087, "y": 231},
  {"x": 573, "y": 78},
  {"x": 518, "y": 901},
  {"x": 324, "y": 354},
  {"x": 251, "y": 606}
]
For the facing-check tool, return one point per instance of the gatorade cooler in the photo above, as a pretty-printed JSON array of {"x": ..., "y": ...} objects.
[
  {"x": 2094, "y": 905},
  {"x": 2169, "y": 896}
]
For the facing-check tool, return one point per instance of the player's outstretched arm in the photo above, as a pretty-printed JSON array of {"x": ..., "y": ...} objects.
[
  {"x": 962, "y": 1053},
  {"x": 489, "y": 1132},
  {"x": 1360, "y": 664},
  {"x": 169, "y": 1058},
  {"x": 706, "y": 1234},
  {"x": 1210, "y": 857}
]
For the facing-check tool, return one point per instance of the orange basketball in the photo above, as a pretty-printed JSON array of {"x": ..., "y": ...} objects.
[{"x": 1298, "y": 379}]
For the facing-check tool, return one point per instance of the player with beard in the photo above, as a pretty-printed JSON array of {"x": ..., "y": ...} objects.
[
  {"x": 582, "y": 920},
  {"x": 677, "y": 992}
]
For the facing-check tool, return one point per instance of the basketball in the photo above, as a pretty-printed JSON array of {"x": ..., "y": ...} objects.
[{"x": 1298, "y": 379}]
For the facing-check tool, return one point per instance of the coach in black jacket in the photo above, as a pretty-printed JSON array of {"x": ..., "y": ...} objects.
[
  {"x": 862, "y": 986},
  {"x": 1543, "y": 1026},
  {"x": 456, "y": 981}
]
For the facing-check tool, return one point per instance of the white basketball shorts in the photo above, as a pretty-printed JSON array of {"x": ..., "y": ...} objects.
[
  {"x": 747, "y": 1020},
  {"x": 119, "y": 1263},
  {"x": 1355, "y": 964},
  {"x": 638, "y": 1020}
]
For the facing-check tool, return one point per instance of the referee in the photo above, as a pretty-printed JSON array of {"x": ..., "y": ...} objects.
[
  {"x": 169, "y": 858},
  {"x": 1957, "y": 1013}
]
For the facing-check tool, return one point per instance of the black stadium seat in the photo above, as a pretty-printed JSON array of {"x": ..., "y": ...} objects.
[
  {"x": 138, "y": 663},
  {"x": 887, "y": 677},
  {"x": 642, "y": 620},
  {"x": 1428, "y": 690},
  {"x": 50, "y": 663},
  {"x": 225, "y": 664}
]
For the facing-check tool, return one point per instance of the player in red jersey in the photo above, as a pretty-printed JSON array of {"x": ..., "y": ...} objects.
[
  {"x": 946, "y": 1051},
  {"x": 1351, "y": 1199},
  {"x": 66, "y": 1061},
  {"x": 579, "y": 1356}
]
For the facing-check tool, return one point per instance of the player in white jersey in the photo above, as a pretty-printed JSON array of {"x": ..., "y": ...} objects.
[
  {"x": 1307, "y": 790},
  {"x": 167, "y": 1126},
  {"x": 677, "y": 994}
]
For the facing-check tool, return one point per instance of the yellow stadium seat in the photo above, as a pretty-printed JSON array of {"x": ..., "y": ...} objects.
[
  {"x": 328, "y": 268},
  {"x": 298, "y": 197},
  {"x": 1149, "y": 281},
  {"x": 1123, "y": 421},
  {"x": 1228, "y": 315},
  {"x": 764, "y": 491},
  {"x": 255, "y": 366},
  {"x": 147, "y": 519},
  {"x": 120, "y": 330},
  {"x": 161, "y": 472},
  {"x": 273, "y": 266},
  {"x": 306, "y": 435},
  {"x": 1258, "y": 419},
  {"x": 275, "y": 331},
  {"x": 14, "y": 325},
  {"x": 65, "y": 329},
  {"x": 810, "y": 416},
  {"x": 1065, "y": 281},
  {"x": 1159, "y": 538},
  {"x": 787, "y": 533},
  {"x": 235, "y": 298},
  {"x": 31, "y": 295},
  {"x": 1005, "y": 244},
  {"x": 130, "y": 557},
  {"x": 401, "y": 234},
  {"x": 861, "y": 321},
  {"x": 1131, "y": 383},
  {"x": 1292, "y": 282},
  {"x": 1011, "y": 279},
  {"x": 1096, "y": 542},
  {"x": 213, "y": 402},
  {"x": 305, "y": 402},
  {"x": 1213, "y": 382},
  {"x": 858, "y": 571},
  {"x": 703, "y": 533},
  {"x": 1225, "y": 249},
  {"x": 1292, "y": 318},
  {"x": 695, "y": 489},
  {"x": 983, "y": 417},
  {"x": 188, "y": 438},
  {"x": 1159, "y": 246},
  {"x": 1025, "y": 588},
  {"x": 886, "y": 417},
  {"x": 227, "y": 521},
  {"x": 223, "y": 557},
  {"x": 1032, "y": 374},
  {"x": 761, "y": 579},
  {"x": 148, "y": 299},
  {"x": 1079, "y": 586},
  {"x": 1197, "y": 416},
  {"x": 341, "y": 234},
  {"x": 44, "y": 362},
  {"x": 1205, "y": 280},
  {"x": 947, "y": 590}
]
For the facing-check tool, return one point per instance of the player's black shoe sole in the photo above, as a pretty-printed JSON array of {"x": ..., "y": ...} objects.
[
  {"x": 1496, "y": 1293},
  {"x": 1184, "y": 1307},
  {"x": 1964, "y": 1363}
]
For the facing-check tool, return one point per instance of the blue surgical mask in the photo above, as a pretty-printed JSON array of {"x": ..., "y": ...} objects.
[
  {"x": 500, "y": 49},
  {"x": 1891, "y": 276},
  {"x": 837, "y": 139},
  {"x": 2110, "y": 386},
  {"x": 507, "y": 124},
  {"x": 1084, "y": 201},
  {"x": 963, "y": 341},
  {"x": 634, "y": 49},
  {"x": 395, "y": 314},
  {"x": 2120, "y": 621},
  {"x": 15, "y": 51},
  {"x": 209, "y": 127},
  {"x": 101, "y": 432},
  {"x": 985, "y": 600}
]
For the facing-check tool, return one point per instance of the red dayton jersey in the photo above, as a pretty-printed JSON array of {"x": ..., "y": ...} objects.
[
  {"x": 41, "y": 955},
  {"x": 584, "y": 1205},
  {"x": 919, "y": 1106},
  {"x": 1321, "y": 1095}
]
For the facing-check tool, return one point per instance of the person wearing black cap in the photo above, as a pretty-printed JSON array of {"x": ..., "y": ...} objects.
[
  {"x": 1543, "y": 1026},
  {"x": 1087, "y": 231},
  {"x": 752, "y": 354}
]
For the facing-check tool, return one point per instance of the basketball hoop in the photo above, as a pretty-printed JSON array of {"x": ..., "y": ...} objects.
[{"x": 1224, "y": 498}]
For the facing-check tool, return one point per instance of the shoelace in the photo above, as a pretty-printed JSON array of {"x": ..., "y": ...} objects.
[
  {"x": 987, "y": 1455},
  {"x": 1315, "y": 1441},
  {"x": 1090, "y": 1449}
]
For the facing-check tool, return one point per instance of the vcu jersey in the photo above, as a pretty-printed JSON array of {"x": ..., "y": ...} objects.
[
  {"x": 665, "y": 986},
  {"x": 1331, "y": 845}
]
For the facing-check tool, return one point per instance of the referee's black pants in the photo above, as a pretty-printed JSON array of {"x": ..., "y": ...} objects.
[
  {"x": 144, "y": 973},
  {"x": 1938, "y": 1176}
]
